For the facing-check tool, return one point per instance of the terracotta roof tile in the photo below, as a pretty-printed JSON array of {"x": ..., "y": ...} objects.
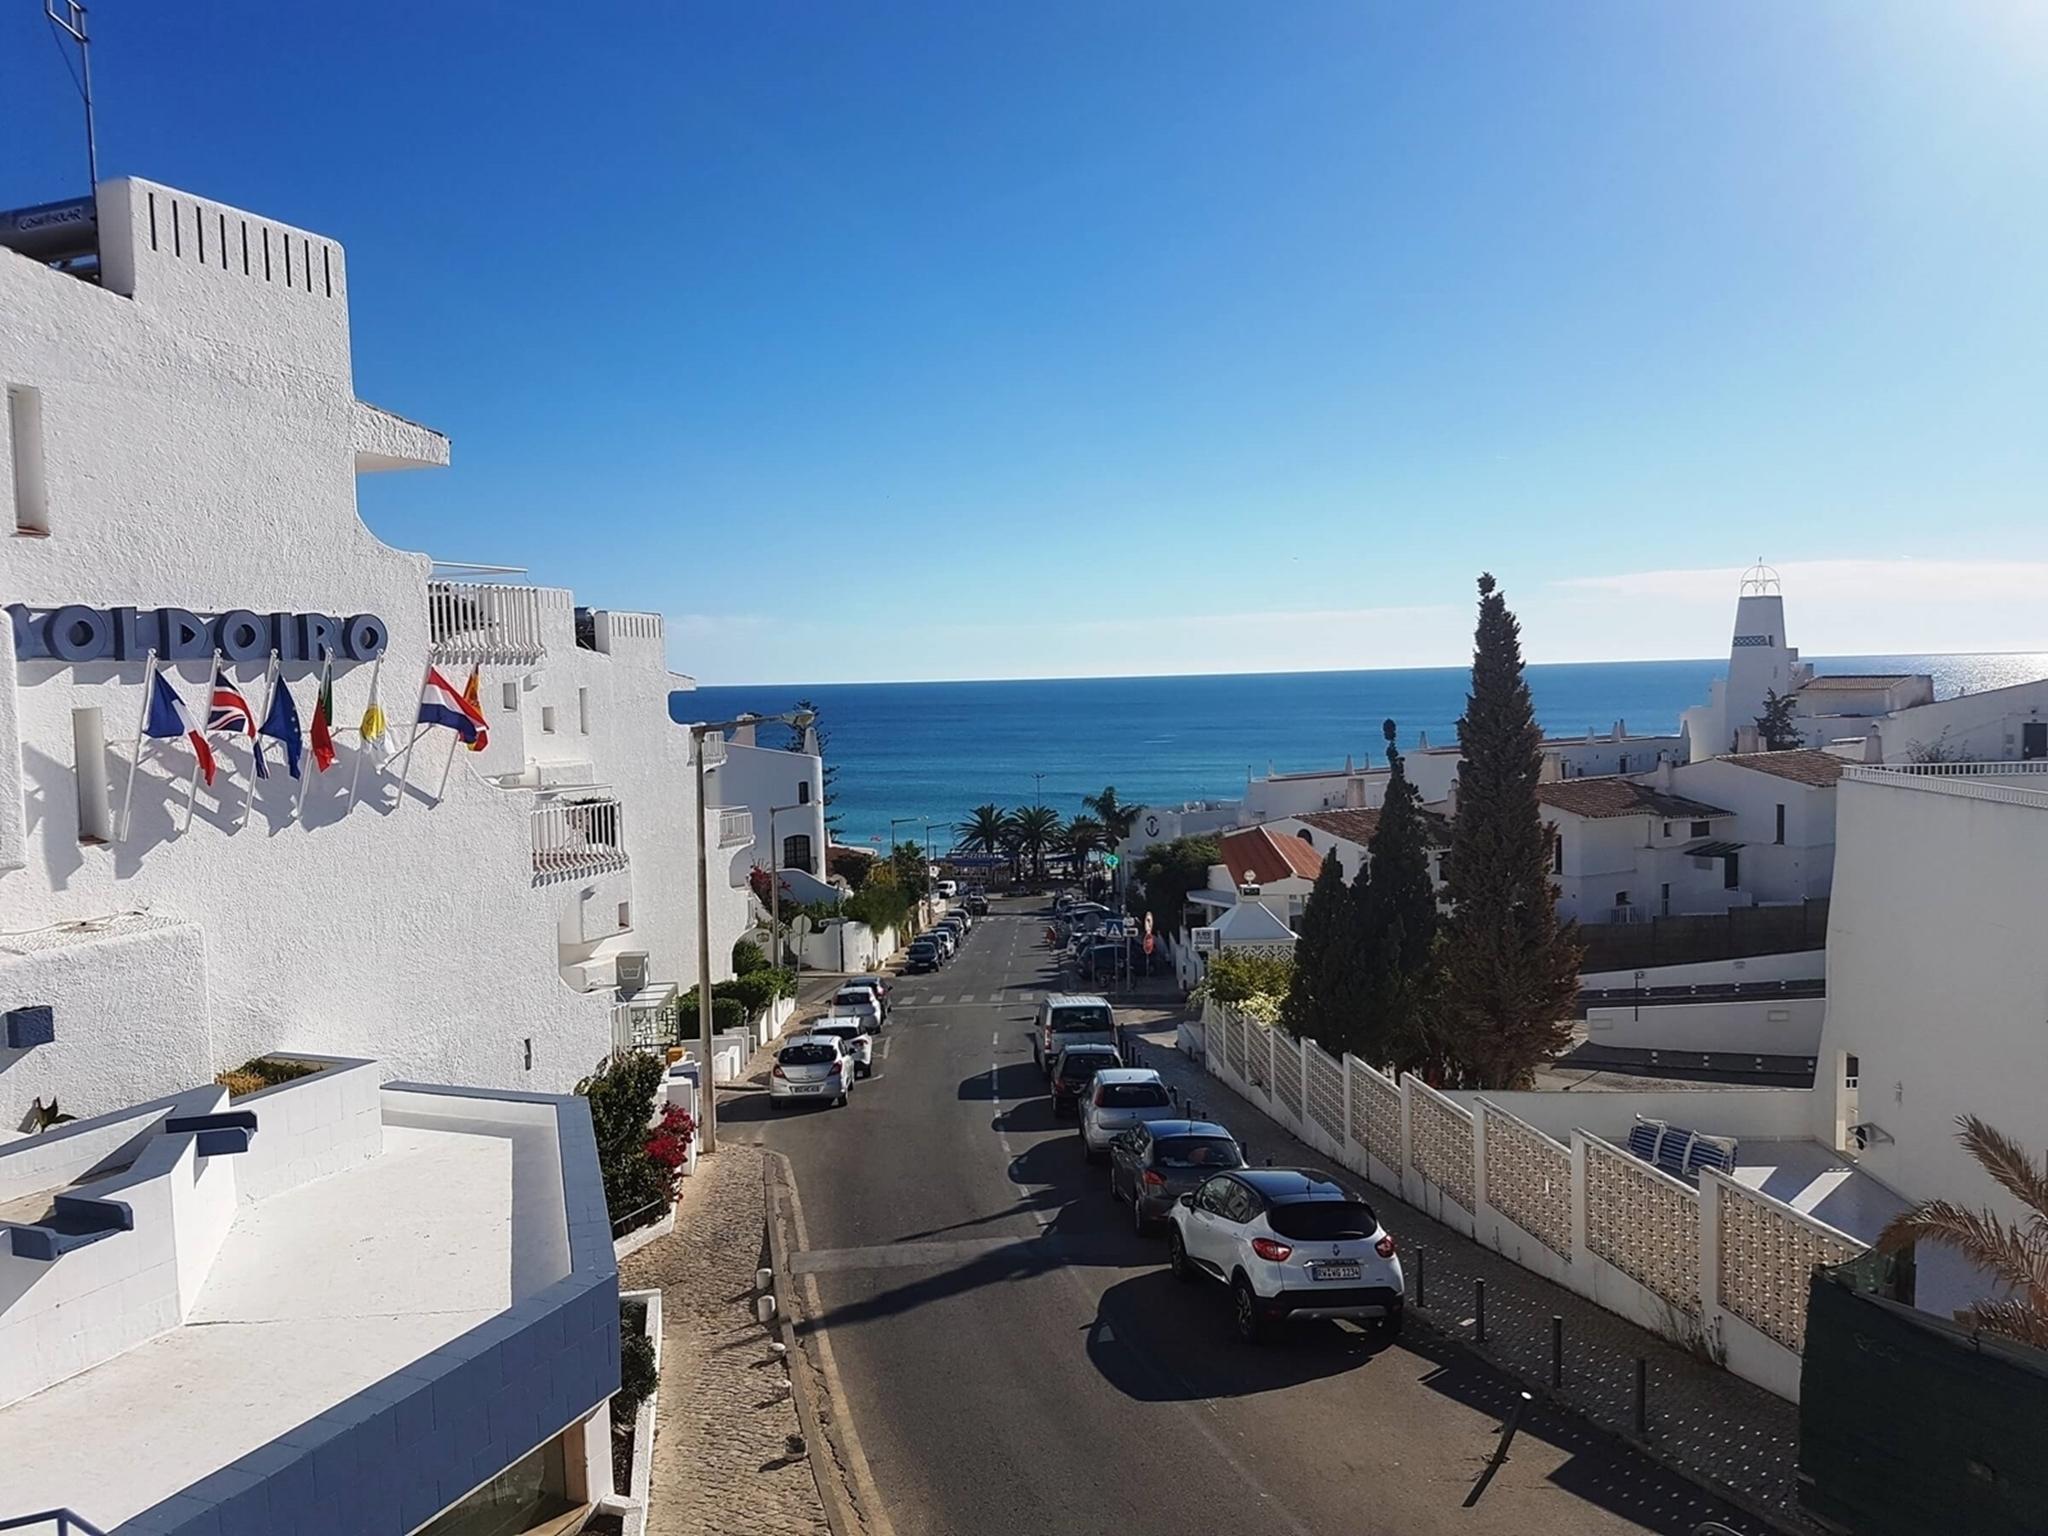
[
  {"x": 1269, "y": 856},
  {"x": 1803, "y": 766},
  {"x": 1359, "y": 826},
  {"x": 1612, "y": 795}
]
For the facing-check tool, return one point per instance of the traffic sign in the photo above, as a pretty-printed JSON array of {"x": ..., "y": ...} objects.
[{"x": 1110, "y": 861}]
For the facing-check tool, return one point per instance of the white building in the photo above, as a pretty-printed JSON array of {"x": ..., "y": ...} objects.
[
  {"x": 1349, "y": 833},
  {"x": 338, "y": 1304},
  {"x": 1623, "y": 850},
  {"x": 179, "y": 458},
  {"x": 788, "y": 787}
]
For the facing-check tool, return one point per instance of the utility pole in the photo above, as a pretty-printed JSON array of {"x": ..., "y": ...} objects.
[{"x": 70, "y": 16}]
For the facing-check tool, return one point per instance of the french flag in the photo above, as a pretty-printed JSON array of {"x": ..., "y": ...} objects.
[
  {"x": 442, "y": 703},
  {"x": 168, "y": 719}
]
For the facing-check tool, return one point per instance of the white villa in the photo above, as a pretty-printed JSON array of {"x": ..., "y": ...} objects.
[{"x": 179, "y": 460}]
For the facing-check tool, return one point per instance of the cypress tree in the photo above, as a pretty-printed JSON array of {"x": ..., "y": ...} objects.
[
  {"x": 1404, "y": 923},
  {"x": 1345, "y": 990},
  {"x": 1512, "y": 971},
  {"x": 1302, "y": 1013}
]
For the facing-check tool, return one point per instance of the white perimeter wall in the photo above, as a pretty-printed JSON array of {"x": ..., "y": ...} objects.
[
  {"x": 1786, "y": 1026},
  {"x": 1803, "y": 965}
]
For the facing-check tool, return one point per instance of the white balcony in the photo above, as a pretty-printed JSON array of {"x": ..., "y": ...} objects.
[
  {"x": 583, "y": 837},
  {"x": 735, "y": 828},
  {"x": 714, "y": 750},
  {"x": 492, "y": 623}
]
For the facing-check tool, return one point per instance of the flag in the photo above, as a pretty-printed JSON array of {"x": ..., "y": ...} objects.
[
  {"x": 473, "y": 701},
  {"x": 281, "y": 724},
  {"x": 440, "y": 704},
  {"x": 169, "y": 719},
  {"x": 230, "y": 711},
  {"x": 371, "y": 731},
  {"x": 323, "y": 721}
]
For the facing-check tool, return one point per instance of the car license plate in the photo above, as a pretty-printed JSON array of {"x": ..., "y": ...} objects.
[
  {"x": 1333, "y": 1271},
  {"x": 800, "y": 1088}
]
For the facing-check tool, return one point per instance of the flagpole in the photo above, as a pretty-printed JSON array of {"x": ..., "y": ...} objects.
[
  {"x": 256, "y": 741},
  {"x": 305, "y": 778},
  {"x": 405, "y": 772},
  {"x": 135, "y": 758},
  {"x": 192, "y": 789},
  {"x": 362, "y": 747}
]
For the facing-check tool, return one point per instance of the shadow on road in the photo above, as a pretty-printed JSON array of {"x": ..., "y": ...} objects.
[{"x": 1013, "y": 1080}]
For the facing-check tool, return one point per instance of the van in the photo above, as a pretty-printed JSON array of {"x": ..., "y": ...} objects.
[{"x": 1070, "y": 1018}]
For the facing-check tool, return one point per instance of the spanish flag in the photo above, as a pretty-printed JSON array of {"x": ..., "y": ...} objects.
[{"x": 473, "y": 696}]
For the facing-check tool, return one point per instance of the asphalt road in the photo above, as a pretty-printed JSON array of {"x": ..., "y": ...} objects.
[{"x": 1017, "y": 1360}]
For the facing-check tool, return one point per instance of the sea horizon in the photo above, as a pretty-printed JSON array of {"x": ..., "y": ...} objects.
[{"x": 911, "y": 751}]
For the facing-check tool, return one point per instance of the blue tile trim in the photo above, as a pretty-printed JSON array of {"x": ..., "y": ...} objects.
[{"x": 424, "y": 1436}]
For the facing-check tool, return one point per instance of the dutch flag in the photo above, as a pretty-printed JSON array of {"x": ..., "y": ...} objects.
[
  {"x": 169, "y": 719},
  {"x": 441, "y": 703}
]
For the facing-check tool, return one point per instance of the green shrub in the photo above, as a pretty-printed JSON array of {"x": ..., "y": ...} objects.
[
  {"x": 621, "y": 1095},
  {"x": 727, "y": 1015},
  {"x": 747, "y": 958},
  {"x": 637, "y": 1374},
  {"x": 260, "y": 1072},
  {"x": 785, "y": 981},
  {"x": 753, "y": 991}
]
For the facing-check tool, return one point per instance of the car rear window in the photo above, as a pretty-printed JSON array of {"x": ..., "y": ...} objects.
[
  {"x": 857, "y": 998},
  {"x": 1314, "y": 1220},
  {"x": 1131, "y": 1096},
  {"x": 1198, "y": 1152},
  {"x": 1079, "y": 1066},
  {"x": 1068, "y": 1020},
  {"x": 806, "y": 1055}
]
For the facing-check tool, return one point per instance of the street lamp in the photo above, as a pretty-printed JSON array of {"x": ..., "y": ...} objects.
[
  {"x": 1038, "y": 788},
  {"x": 707, "y": 1098},
  {"x": 775, "y": 870}
]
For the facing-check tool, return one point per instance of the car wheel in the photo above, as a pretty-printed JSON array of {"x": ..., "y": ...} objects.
[
  {"x": 1177, "y": 1257},
  {"x": 1244, "y": 1316},
  {"x": 840, "y": 1102},
  {"x": 1139, "y": 1224}
]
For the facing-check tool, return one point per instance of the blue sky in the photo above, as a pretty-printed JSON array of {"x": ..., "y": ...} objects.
[{"x": 1015, "y": 339}]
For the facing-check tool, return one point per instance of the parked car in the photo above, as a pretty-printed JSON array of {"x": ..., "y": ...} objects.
[
  {"x": 1070, "y": 1018},
  {"x": 810, "y": 1068},
  {"x": 923, "y": 955},
  {"x": 1075, "y": 1070},
  {"x": 857, "y": 1042},
  {"x": 947, "y": 940},
  {"x": 859, "y": 1003},
  {"x": 949, "y": 889},
  {"x": 977, "y": 903},
  {"x": 1116, "y": 1100},
  {"x": 877, "y": 984},
  {"x": 1154, "y": 1164},
  {"x": 1289, "y": 1242}
]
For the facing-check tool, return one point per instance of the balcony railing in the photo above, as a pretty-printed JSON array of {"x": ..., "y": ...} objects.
[
  {"x": 714, "y": 750},
  {"x": 581, "y": 837},
  {"x": 735, "y": 828},
  {"x": 1969, "y": 781},
  {"x": 489, "y": 622}
]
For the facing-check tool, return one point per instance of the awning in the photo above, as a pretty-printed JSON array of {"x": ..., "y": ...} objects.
[{"x": 1712, "y": 850}]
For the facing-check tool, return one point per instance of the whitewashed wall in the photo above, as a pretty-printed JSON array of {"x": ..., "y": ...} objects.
[{"x": 1787, "y": 1026}]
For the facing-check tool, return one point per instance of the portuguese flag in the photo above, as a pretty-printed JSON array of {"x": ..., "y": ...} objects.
[{"x": 323, "y": 721}]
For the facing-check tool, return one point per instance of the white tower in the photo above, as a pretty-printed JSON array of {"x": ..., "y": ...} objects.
[{"x": 1759, "y": 663}]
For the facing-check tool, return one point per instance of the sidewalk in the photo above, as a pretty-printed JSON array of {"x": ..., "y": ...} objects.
[
  {"x": 724, "y": 1457},
  {"x": 1713, "y": 1427}
]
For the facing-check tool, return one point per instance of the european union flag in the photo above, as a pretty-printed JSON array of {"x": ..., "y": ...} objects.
[{"x": 281, "y": 724}]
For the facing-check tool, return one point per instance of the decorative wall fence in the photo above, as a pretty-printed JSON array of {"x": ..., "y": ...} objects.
[{"x": 1722, "y": 1268}]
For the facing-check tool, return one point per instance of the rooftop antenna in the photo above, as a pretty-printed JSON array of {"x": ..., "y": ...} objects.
[{"x": 69, "y": 15}]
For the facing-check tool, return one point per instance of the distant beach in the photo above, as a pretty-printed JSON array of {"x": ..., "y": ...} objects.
[{"x": 936, "y": 749}]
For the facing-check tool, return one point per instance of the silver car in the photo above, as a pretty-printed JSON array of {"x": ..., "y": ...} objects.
[
  {"x": 813, "y": 1069},
  {"x": 1118, "y": 1099}
]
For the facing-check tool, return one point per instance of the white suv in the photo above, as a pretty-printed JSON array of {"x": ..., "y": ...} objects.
[{"x": 1288, "y": 1242}]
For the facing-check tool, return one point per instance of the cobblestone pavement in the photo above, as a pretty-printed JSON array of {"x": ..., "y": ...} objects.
[
  {"x": 723, "y": 1457},
  {"x": 1703, "y": 1420}
]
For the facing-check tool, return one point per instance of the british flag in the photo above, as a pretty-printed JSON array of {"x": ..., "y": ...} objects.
[{"x": 229, "y": 711}]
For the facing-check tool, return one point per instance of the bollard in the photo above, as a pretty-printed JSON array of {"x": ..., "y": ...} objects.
[
  {"x": 1557, "y": 1351},
  {"x": 764, "y": 1309},
  {"x": 1421, "y": 1270},
  {"x": 764, "y": 1280},
  {"x": 1642, "y": 1396},
  {"x": 1479, "y": 1311}
]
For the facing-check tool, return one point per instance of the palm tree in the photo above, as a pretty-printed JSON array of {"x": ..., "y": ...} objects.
[
  {"x": 982, "y": 832},
  {"x": 1011, "y": 840},
  {"x": 2016, "y": 1254},
  {"x": 1037, "y": 827},
  {"x": 1081, "y": 837},
  {"x": 1117, "y": 818}
]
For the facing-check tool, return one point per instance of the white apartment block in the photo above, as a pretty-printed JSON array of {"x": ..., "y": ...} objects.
[{"x": 179, "y": 460}]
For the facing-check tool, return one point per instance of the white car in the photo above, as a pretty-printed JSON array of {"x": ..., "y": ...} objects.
[
  {"x": 1118, "y": 1099},
  {"x": 857, "y": 1003},
  {"x": 877, "y": 984},
  {"x": 1289, "y": 1242},
  {"x": 949, "y": 889},
  {"x": 857, "y": 1041},
  {"x": 945, "y": 939},
  {"x": 816, "y": 1069}
]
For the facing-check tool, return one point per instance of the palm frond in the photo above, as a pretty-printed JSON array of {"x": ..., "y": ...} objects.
[
  {"x": 2010, "y": 1319},
  {"x": 1987, "y": 1242},
  {"x": 2007, "y": 1162}
]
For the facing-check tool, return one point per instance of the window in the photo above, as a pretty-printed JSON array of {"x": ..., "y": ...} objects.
[
  {"x": 1667, "y": 829},
  {"x": 1323, "y": 1221},
  {"x": 547, "y": 719},
  {"x": 1621, "y": 898},
  {"x": 25, "y": 445},
  {"x": 1731, "y": 872},
  {"x": 1701, "y": 829},
  {"x": 1130, "y": 1096},
  {"x": 1303, "y": 835},
  {"x": 1664, "y": 899},
  {"x": 796, "y": 851},
  {"x": 511, "y": 697},
  {"x": 583, "y": 710},
  {"x": 1557, "y": 853},
  {"x": 89, "y": 770},
  {"x": 1198, "y": 1152},
  {"x": 803, "y": 793},
  {"x": 1780, "y": 838},
  {"x": 625, "y": 914},
  {"x": 1621, "y": 763},
  {"x": 1852, "y": 1072}
]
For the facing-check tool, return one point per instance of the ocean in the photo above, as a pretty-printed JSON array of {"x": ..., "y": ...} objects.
[{"x": 933, "y": 750}]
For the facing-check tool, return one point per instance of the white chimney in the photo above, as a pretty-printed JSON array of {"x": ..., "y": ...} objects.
[
  {"x": 1667, "y": 776},
  {"x": 743, "y": 735}
]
